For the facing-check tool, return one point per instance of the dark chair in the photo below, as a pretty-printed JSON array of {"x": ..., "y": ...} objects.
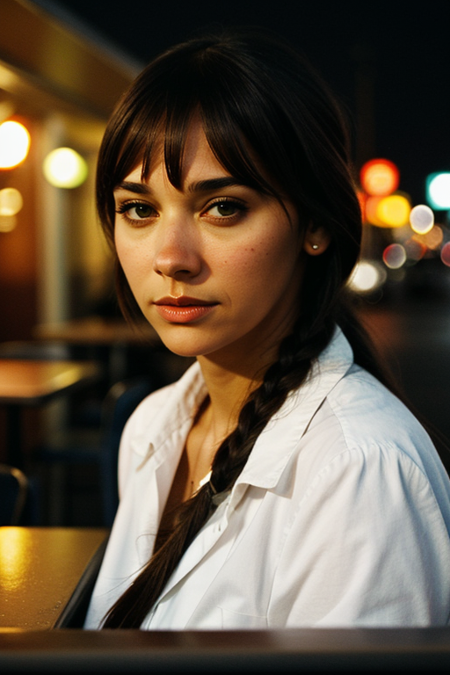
[
  {"x": 74, "y": 613},
  {"x": 39, "y": 350},
  {"x": 98, "y": 446},
  {"x": 14, "y": 492}
]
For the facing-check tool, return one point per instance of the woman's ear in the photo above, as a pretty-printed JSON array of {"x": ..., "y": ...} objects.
[{"x": 317, "y": 240}]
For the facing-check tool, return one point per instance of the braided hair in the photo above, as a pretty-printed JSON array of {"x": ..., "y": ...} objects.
[{"x": 271, "y": 122}]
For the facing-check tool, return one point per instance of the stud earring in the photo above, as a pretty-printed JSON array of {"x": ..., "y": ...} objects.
[{"x": 315, "y": 247}]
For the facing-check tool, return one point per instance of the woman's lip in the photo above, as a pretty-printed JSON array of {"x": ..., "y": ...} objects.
[
  {"x": 183, "y": 301},
  {"x": 183, "y": 313}
]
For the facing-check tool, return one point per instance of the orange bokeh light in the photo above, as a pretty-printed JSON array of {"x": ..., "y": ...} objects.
[{"x": 379, "y": 177}]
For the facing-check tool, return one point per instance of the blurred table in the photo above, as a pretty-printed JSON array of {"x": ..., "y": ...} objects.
[
  {"x": 96, "y": 330},
  {"x": 41, "y": 568},
  {"x": 25, "y": 382},
  {"x": 115, "y": 334},
  {"x": 320, "y": 650}
]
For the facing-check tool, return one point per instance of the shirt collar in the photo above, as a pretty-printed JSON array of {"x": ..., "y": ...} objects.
[
  {"x": 269, "y": 456},
  {"x": 174, "y": 417}
]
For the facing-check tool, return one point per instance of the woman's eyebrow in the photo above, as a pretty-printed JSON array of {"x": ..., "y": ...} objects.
[
  {"x": 214, "y": 184},
  {"x": 138, "y": 188},
  {"x": 205, "y": 185}
]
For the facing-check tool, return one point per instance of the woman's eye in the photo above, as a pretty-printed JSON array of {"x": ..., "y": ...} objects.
[
  {"x": 136, "y": 211},
  {"x": 225, "y": 209},
  {"x": 143, "y": 210}
]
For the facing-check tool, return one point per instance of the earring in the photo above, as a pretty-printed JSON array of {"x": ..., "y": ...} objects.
[{"x": 315, "y": 247}]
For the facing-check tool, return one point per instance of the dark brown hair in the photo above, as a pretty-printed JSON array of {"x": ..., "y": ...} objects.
[{"x": 265, "y": 112}]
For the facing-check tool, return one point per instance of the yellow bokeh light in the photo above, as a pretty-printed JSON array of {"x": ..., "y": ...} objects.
[
  {"x": 11, "y": 202},
  {"x": 393, "y": 211},
  {"x": 7, "y": 223},
  {"x": 65, "y": 168},
  {"x": 14, "y": 144}
]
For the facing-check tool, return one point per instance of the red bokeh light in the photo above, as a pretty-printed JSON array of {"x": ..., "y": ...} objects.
[{"x": 379, "y": 177}]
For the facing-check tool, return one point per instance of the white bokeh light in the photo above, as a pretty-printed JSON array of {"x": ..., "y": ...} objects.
[
  {"x": 14, "y": 144},
  {"x": 421, "y": 219},
  {"x": 439, "y": 190},
  {"x": 367, "y": 276}
]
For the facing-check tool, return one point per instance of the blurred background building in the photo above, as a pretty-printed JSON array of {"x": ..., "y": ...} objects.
[{"x": 61, "y": 87}]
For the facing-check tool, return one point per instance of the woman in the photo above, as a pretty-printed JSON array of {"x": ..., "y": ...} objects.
[{"x": 278, "y": 483}]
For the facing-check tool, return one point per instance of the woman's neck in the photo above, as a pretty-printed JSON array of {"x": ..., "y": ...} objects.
[{"x": 227, "y": 392}]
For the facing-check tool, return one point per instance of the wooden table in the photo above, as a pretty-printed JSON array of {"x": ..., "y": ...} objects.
[
  {"x": 25, "y": 382},
  {"x": 40, "y": 568}
]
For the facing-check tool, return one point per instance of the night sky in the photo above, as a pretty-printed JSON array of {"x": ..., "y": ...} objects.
[{"x": 402, "y": 48}]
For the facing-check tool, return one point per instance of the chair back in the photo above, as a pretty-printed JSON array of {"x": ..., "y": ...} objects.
[
  {"x": 35, "y": 350},
  {"x": 120, "y": 401},
  {"x": 13, "y": 494}
]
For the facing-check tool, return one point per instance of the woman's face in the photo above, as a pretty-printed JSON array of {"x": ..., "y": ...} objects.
[{"x": 215, "y": 266}]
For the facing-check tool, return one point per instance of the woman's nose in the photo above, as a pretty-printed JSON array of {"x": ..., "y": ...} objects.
[{"x": 178, "y": 251}]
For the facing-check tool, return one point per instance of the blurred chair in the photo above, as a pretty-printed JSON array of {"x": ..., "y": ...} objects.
[
  {"x": 14, "y": 492},
  {"x": 74, "y": 613},
  {"x": 97, "y": 446},
  {"x": 29, "y": 349}
]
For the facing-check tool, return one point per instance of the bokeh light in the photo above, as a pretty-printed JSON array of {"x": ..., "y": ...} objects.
[
  {"x": 366, "y": 277},
  {"x": 394, "y": 256},
  {"x": 14, "y": 144},
  {"x": 415, "y": 249},
  {"x": 438, "y": 190},
  {"x": 393, "y": 211},
  {"x": 11, "y": 202},
  {"x": 7, "y": 223},
  {"x": 65, "y": 168},
  {"x": 371, "y": 211},
  {"x": 379, "y": 177},
  {"x": 445, "y": 254},
  {"x": 421, "y": 218},
  {"x": 432, "y": 239}
]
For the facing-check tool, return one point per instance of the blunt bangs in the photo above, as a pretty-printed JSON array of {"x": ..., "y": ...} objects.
[
  {"x": 206, "y": 87},
  {"x": 242, "y": 122}
]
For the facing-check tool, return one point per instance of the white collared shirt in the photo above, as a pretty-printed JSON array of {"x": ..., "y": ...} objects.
[{"x": 340, "y": 518}]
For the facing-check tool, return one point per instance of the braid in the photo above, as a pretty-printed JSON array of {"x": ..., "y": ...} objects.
[
  {"x": 132, "y": 607},
  {"x": 286, "y": 374}
]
